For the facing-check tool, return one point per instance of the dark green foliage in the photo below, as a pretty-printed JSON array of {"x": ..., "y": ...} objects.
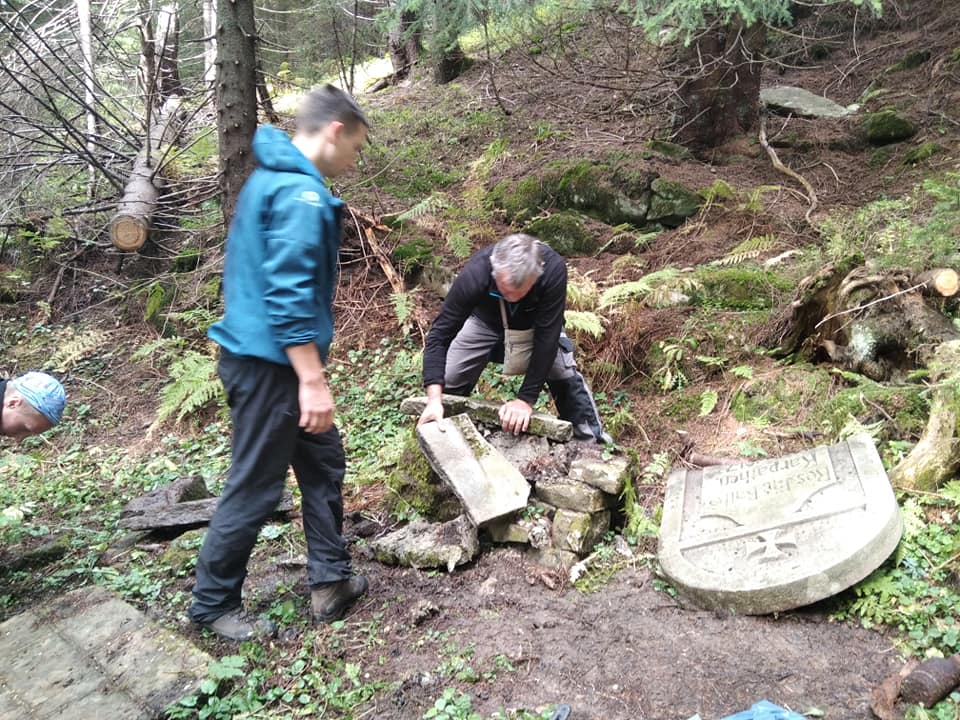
[{"x": 887, "y": 126}]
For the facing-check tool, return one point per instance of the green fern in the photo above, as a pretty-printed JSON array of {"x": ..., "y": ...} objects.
[
  {"x": 402, "y": 307},
  {"x": 585, "y": 322},
  {"x": 194, "y": 385},
  {"x": 951, "y": 491},
  {"x": 74, "y": 346},
  {"x": 636, "y": 289},
  {"x": 747, "y": 250},
  {"x": 163, "y": 348},
  {"x": 428, "y": 206},
  {"x": 855, "y": 427},
  {"x": 582, "y": 291},
  {"x": 708, "y": 401}
]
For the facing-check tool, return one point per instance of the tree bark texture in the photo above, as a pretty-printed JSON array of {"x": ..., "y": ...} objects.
[
  {"x": 720, "y": 90},
  {"x": 86, "y": 50},
  {"x": 450, "y": 65},
  {"x": 236, "y": 97},
  {"x": 130, "y": 226},
  {"x": 404, "y": 44}
]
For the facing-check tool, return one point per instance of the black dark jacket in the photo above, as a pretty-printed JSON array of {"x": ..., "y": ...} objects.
[{"x": 474, "y": 292}]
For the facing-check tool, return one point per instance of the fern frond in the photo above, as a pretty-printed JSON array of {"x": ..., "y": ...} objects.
[
  {"x": 708, "y": 401},
  {"x": 747, "y": 250},
  {"x": 194, "y": 385},
  {"x": 74, "y": 346},
  {"x": 582, "y": 291},
  {"x": 661, "y": 288},
  {"x": 583, "y": 321},
  {"x": 402, "y": 307},
  {"x": 428, "y": 206}
]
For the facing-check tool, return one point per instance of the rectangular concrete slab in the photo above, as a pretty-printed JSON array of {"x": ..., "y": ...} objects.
[
  {"x": 768, "y": 536},
  {"x": 488, "y": 485},
  {"x": 488, "y": 413},
  {"x": 89, "y": 655}
]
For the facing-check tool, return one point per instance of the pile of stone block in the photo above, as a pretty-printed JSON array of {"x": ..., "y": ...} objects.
[{"x": 539, "y": 489}]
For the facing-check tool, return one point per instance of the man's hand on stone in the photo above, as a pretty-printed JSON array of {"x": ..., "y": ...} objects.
[
  {"x": 316, "y": 406},
  {"x": 432, "y": 411},
  {"x": 515, "y": 416}
]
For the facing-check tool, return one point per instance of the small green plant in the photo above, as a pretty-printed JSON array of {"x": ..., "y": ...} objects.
[
  {"x": 748, "y": 250},
  {"x": 749, "y": 449},
  {"x": 670, "y": 374},
  {"x": 452, "y": 705},
  {"x": 708, "y": 401}
]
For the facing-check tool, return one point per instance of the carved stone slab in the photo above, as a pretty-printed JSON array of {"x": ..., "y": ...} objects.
[
  {"x": 488, "y": 485},
  {"x": 88, "y": 655},
  {"x": 769, "y": 536}
]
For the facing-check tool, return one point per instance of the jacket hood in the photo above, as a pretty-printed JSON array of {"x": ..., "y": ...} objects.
[{"x": 274, "y": 150}]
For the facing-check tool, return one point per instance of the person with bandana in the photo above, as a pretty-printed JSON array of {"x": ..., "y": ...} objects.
[{"x": 32, "y": 404}]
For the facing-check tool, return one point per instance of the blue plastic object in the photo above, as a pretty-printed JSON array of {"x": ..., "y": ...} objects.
[{"x": 765, "y": 710}]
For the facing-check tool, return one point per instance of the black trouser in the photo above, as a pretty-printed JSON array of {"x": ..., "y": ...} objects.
[
  {"x": 265, "y": 411},
  {"x": 477, "y": 344}
]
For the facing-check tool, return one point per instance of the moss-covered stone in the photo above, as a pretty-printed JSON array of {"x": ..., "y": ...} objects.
[
  {"x": 922, "y": 152},
  {"x": 600, "y": 192},
  {"x": 886, "y": 127},
  {"x": 955, "y": 56},
  {"x": 911, "y": 60},
  {"x": 413, "y": 254},
  {"x": 181, "y": 555},
  {"x": 790, "y": 397},
  {"x": 518, "y": 200},
  {"x": 740, "y": 288},
  {"x": 565, "y": 232},
  {"x": 669, "y": 149},
  {"x": 415, "y": 489},
  {"x": 671, "y": 203},
  {"x": 879, "y": 157}
]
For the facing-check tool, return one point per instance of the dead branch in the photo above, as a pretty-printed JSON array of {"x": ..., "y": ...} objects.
[{"x": 778, "y": 165}]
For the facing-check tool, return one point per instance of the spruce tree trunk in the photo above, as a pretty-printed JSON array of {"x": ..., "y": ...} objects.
[
  {"x": 236, "y": 97},
  {"x": 404, "y": 44},
  {"x": 450, "y": 65},
  {"x": 209, "y": 41},
  {"x": 720, "y": 89},
  {"x": 168, "y": 66}
]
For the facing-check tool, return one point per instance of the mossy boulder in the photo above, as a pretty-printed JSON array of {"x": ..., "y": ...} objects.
[
  {"x": 181, "y": 555},
  {"x": 740, "y": 288},
  {"x": 886, "y": 127},
  {"x": 669, "y": 149},
  {"x": 911, "y": 61},
  {"x": 604, "y": 192},
  {"x": 415, "y": 489},
  {"x": 922, "y": 152},
  {"x": 600, "y": 192},
  {"x": 519, "y": 200},
  {"x": 565, "y": 232},
  {"x": 671, "y": 203}
]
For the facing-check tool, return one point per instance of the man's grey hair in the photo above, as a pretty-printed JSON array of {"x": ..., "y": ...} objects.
[
  {"x": 518, "y": 257},
  {"x": 328, "y": 104}
]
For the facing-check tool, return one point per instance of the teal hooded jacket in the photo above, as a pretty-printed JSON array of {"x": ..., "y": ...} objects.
[{"x": 281, "y": 259}]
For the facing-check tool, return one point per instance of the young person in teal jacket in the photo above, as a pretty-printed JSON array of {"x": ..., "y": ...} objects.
[{"x": 279, "y": 279}]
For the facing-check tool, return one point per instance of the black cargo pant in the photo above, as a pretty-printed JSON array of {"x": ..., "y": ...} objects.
[
  {"x": 267, "y": 439},
  {"x": 478, "y": 344}
]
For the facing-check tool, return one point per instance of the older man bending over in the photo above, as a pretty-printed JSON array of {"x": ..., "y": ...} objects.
[{"x": 32, "y": 404}]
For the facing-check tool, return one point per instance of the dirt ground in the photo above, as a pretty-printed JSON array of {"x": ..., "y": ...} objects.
[{"x": 625, "y": 652}]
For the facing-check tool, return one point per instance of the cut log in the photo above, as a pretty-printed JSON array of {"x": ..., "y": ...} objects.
[
  {"x": 130, "y": 225},
  {"x": 943, "y": 282},
  {"x": 931, "y": 682}
]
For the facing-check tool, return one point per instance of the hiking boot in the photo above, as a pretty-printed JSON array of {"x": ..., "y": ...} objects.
[
  {"x": 239, "y": 625},
  {"x": 331, "y": 600}
]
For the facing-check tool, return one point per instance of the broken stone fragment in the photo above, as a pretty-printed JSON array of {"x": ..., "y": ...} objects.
[
  {"x": 488, "y": 485},
  {"x": 429, "y": 545},
  {"x": 573, "y": 495},
  {"x": 607, "y": 475},
  {"x": 488, "y": 413},
  {"x": 552, "y": 557},
  {"x": 579, "y": 532}
]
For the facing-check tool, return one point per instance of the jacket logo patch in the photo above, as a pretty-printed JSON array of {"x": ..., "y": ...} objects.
[{"x": 310, "y": 197}]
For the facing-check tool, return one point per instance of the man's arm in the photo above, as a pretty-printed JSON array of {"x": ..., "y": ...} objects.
[
  {"x": 547, "y": 327},
  {"x": 316, "y": 400}
]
